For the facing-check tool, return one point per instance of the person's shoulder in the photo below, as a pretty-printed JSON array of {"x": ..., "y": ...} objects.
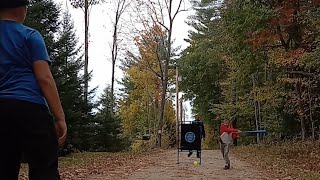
[{"x": 28, "y": 31}]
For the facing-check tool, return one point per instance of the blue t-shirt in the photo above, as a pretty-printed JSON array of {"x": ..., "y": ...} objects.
[{"x": 20, "y": 46}]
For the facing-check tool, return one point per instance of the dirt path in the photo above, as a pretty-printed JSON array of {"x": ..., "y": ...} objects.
[{"x": 164, "y": 167}]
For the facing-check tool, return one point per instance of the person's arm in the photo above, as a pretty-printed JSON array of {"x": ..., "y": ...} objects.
[
  {"x": 49, "y": 89},
  {"x": 39, "y": 59},
  {"x": 235, "y": 133},
  {"x": 229, "y": 130}
]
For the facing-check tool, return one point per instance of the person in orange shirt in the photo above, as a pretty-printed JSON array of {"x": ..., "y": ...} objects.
[{"x": 227, "y": 134}]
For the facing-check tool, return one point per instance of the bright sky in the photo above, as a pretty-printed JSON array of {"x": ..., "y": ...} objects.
[{"x": 101, "y": 37}]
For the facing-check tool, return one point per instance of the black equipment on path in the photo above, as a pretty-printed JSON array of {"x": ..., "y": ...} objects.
[{"x": 189, "y": 134}]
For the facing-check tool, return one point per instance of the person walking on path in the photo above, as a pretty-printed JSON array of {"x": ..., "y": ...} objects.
[
  {"x": 27, "y": 92},
  {"x": 227, "y": 134}
]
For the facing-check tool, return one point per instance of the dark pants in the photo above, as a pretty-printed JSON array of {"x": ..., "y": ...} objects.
[
  {"x": 28, "y": 129},
  {"x": 198, "y": 153}
]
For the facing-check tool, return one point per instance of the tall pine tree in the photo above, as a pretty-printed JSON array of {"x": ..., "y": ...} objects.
[
  {"x": 108, "y": 129},
  {"x": 43, "y": 15},
  {"x": 66, "y": 69},
  {"x": 64, "y": 51}
]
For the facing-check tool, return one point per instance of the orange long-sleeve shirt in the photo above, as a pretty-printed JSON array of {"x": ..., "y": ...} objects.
[{"x": 227, "y": 129}]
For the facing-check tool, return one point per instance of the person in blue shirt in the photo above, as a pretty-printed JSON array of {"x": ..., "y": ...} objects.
[{"x": 27, "y": 94}]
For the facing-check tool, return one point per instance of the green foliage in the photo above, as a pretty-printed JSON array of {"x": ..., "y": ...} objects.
[
  {"x": 43, "y": 15},
  {"x": 107, "y": 128},
  {"x": 66, "y": 69},
  {"x": 254, "y": 61},
  {"x": 200, "y": 65},
  {"x": 86, "y": 130}
]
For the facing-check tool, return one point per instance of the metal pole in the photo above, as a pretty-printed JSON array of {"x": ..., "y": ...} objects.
[
  {"x": 181, "y": 109},
  {"x": 177, "y": 103},
  {"x": 255, "y": 107},
  {"x": 177, "y": 112}
]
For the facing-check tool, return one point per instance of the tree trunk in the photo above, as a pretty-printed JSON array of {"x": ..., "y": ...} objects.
[
  {"x": 164, "y": 75},
  {"x": 301, "y": 110},
  {"x": 256, "y": 114},
  {"x": 114, "y": 49},
  {"x": 162, "y": 106},
  {"x": 164, "y": 85},
  {"x": 235, "y": 119},
  {"x": 177, "y": 106},
  {"x": 114, "y": 54},
  {"x": 86, "y": 49},
  {"x": 234, "y": 125},
  {"x": 310, "y": 112}
]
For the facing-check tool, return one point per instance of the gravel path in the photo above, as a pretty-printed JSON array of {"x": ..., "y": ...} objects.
[{"x": 164, "y": 167}]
